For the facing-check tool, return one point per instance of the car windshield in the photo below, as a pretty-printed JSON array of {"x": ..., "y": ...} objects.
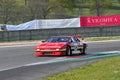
[{"x": 58, "y": 39}]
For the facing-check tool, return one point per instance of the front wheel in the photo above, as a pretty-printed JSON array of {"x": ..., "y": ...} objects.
[{"x": 68, "y": 51}]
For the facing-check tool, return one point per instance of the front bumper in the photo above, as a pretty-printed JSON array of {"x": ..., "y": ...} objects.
[{"x": 49, "y": 53}]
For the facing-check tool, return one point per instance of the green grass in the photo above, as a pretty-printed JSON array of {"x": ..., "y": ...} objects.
[
  {"x": 102, "y": 38},
  {"x": 107, "y": 69}
]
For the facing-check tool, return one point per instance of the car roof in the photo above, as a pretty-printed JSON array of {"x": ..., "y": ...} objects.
[
  {"x": 76, "y": 36},
  {"x": 62, "y": 36}
]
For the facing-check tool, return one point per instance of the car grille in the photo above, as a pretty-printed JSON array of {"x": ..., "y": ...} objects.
[{"x": 47, "y": 52}]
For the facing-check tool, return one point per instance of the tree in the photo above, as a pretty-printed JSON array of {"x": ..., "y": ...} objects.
[
  {"x": 40, "y": 8},
  {"x": 75, "y": 6},
  {"x": 6, "y": 10},
  {"x": 118, "y": 1},
  {"x": 100, "y": 6},
  {"x": 97, "y": 6},
  {"x": 67, "y": 3}
]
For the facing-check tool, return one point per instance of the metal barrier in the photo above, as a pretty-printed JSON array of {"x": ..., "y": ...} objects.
[{"x": 45, "y": 33}]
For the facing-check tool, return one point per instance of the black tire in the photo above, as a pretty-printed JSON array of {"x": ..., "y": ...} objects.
[
  {"x": 84, "y": 50},
  {"x": 68, "y": 51}
]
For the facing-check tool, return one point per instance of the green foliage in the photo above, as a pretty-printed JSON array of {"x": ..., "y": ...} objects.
[
  {"x": 103, "y": 5},
  {"x": 67, "y": 3},
  {"x": 7, "y": 8},
  {"x": 19, "y": 11},
  {"x": 20, "y": 2},
  {"x": 102, "y": 38}
]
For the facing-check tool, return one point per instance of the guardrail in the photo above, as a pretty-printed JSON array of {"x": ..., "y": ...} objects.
[{"x": 45, "y": 33}]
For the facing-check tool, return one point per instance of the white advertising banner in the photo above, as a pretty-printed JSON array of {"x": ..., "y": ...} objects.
[
  {"x": 58, "y": 23},
  {"x": 46, "y": 23}
]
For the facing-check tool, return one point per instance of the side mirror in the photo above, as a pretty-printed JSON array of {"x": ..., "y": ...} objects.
[
  {"x": 43, "y": 41},
  {"x": 82, "y": 38}
]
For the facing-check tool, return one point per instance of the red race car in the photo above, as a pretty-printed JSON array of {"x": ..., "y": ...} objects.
[{"x": 61, "y": 45}]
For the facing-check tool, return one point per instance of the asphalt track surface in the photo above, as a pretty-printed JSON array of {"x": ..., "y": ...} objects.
[{"x": 19, "y": 63}]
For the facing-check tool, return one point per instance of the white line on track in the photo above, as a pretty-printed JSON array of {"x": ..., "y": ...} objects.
[
  {"x": 65, "y": 58},
  {"x": 108, "y": 52},
  {"x": 16, "y": 46},
  {"x": 54, "y": 60},
  {"x": 103, "y": 41},
  {"x": 49, "y": 61},
  {"x": 38, "y": 63}
]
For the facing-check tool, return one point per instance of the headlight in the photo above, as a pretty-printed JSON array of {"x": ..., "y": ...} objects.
[
  {"x": 57, "y": 49},
  {"x": 60, "y": 49},
  {"x": 37, "y": 49}
]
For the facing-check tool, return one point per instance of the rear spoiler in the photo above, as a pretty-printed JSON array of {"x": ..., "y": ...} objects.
[{"x": 79, "y": 36}]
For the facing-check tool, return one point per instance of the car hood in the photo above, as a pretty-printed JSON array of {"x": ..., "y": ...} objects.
[{"x": 52, "y": 45}]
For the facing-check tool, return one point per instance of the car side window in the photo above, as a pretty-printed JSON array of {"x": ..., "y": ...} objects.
[
  {"x": 73, "y": 39},
  {"x": 77, "y": 40},
  {"x": 70, "y": 40},
  {"x": 63, "y": 39}
]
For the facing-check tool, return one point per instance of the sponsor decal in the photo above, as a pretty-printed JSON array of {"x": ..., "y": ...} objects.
[{"x": 100, "y": 20}]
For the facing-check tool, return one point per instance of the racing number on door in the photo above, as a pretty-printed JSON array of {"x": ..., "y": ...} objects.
[{"x": 75, "y": 47}]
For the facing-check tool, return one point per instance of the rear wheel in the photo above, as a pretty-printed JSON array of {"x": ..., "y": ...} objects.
[
  {"x": 68, "y": 51},
  {"x": 84, "y": 49}
]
